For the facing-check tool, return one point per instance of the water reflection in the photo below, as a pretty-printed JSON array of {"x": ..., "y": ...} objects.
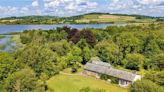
[{"x": 6, "y": 44}]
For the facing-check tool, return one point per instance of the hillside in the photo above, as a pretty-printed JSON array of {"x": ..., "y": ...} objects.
[
  {"x": 94, "y": 18},
  {"x": 112, "y": 18}
]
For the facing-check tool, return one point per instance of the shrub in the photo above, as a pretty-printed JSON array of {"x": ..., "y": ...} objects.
[
  {"x": 106, "y": 77},
  {"x": 87, "y": 89}
]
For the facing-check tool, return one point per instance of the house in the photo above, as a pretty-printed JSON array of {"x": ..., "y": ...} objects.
[{"x": 96, "y": 68}]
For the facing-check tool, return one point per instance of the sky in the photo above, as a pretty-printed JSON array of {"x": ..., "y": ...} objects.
[{"x": 76, "y": 7}]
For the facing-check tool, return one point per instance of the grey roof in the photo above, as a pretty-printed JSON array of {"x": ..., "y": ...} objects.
[
  {"x": 101, "y": 63},
  {"x": 99, "y": 68}
]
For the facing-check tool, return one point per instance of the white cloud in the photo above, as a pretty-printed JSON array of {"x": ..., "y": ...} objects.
[
  {"x": 69, "y": 6},
  {"x": 7, "y": 11},
  {"x": 152, "y": 2},
  {"x": 74, "y": 7},
  {"x": 120, "y": 4},
  {"x": 35, "y": 3},
  {"x": 147, "y": 7}
]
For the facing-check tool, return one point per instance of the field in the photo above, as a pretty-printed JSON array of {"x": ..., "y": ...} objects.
[
  {"x": 111, "y": 19},
  {"x": 105, "y": 18},
  {"x": 74, "y": 83}
]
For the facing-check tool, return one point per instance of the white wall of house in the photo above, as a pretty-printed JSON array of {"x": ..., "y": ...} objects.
[{"x": 137, "y": 77}]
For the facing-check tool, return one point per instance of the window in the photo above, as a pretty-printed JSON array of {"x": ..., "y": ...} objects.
[
  {"x": 126, "y": 82},
  {"x": 122, "y": 82}
]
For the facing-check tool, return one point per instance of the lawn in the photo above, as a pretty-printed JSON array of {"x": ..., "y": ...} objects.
[{"x": 74, "y": 83}]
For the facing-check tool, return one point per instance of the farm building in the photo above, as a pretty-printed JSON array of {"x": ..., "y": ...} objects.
[{"x": 96, "y": 68}]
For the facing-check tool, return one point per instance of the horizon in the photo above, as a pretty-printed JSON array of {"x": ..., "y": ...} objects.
[
  {"x": 83, "y": 14},
  {"x": 66, "y": 8}
]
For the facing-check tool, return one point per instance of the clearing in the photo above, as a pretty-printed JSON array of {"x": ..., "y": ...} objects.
[{"x": 74, "y": 83}]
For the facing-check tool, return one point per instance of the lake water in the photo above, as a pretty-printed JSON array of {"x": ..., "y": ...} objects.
[
  {"x": 20, "y": 28},
  {"x": 6, "y": 44}
]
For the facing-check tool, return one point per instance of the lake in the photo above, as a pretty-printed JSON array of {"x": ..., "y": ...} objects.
[{"x": 20, "y": 28}]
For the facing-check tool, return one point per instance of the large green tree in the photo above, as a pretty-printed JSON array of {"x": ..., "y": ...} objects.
[
  {"x": 22, "y": 81},
  {"x": 108, "y": 51},
  {"x": 145, "y": 86},
  {"x": 39, "y": 58},
  {"x": 8, "y": 65},
  {"x": 134, "y": 61},
  {"x": 156, "y": 77},
  {"x": 128, "y": 43},
  {"x": 73, "y": 58}
]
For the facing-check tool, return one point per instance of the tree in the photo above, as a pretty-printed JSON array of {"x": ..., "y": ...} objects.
[
  {"x": 156, "y": 62},
  {"x": 160, "y": 39},
  {"x": 159, "y": 61},
  {"x": 22, "y": 81},
  {"x": 57, "y": 35},
  {"x": 156, "y": 77},
  {"x": 108, "y": 51},
  {"x": 145, "y": 86},
  {"x": 84, "y": 34},
  {"x": 101, "y": 34},
  {"x": 74, "y": 58},
  {"x": 152, "y": 44},
  {"x": 60, "y": 47},
  {"x": 35, "y": 36},
  {"x": 134, "y": 61},
  {"x": 128, "y": 43},
  {"x": 86, "y": 50},
  {"x": 39, "y": 58},
  {"x": 87, "y": 54},
  {"x": 8, "y": 65}
]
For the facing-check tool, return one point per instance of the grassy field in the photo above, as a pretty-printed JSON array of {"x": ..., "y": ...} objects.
[
  {"x": 111, "y": 18},
  {"x": 74, "y": 83}
]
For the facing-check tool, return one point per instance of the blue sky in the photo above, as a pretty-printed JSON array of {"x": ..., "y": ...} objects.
[{"x": 75, "y": 7}]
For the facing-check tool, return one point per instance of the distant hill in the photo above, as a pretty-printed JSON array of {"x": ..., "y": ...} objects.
[{"x": 79, "y": 19}]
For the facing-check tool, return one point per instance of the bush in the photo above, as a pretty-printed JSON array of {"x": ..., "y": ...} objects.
[
  {"x": 74, "y": 70},
  {"x": 145, "y": 86},
  {"x": 106, "y": 77},
  {"x": 132, "y": 66},
  {"x": 87, "y": 89}
]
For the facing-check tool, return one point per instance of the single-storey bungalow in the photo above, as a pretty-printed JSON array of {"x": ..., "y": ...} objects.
[{"x": 96, "y": 68}]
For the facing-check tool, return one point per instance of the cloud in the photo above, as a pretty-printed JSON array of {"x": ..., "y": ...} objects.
[
  {"x": 152, "y": 2},
  {"x": 35, "y": 3},
  {"x": 75, "y": 7},
  {"x": 7, "y": 11},
  {"x": 29, "y": 9},
  {"x": 145, "y": 7},
  {"x": 69, "y": 6}
]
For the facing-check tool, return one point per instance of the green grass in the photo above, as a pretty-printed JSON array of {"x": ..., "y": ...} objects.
[
  {"x": 2, "y": 46},
  {"x": 74, "y": 83},
  {"x": 116, "y": 19},
  {"x": 2, "y": 36}
]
